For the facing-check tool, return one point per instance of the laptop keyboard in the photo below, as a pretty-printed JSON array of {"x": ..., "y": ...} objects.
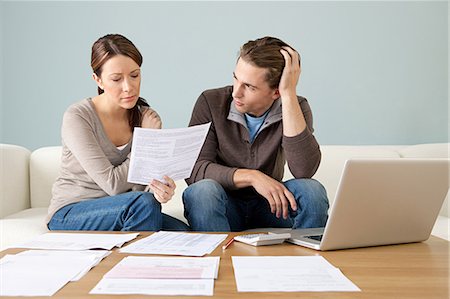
[{"x": 315, "y": 237}]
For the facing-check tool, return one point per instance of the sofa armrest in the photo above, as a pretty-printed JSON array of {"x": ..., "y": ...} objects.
[{"x": 14, "y": 179}]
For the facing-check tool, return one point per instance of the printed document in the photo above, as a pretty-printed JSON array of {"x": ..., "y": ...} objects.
[
  {"x": 289, "y": 274},
  {"x": 165, "y": 267},
  {"x": 39, "y": 275},
  {"x": 95, "y": 256},
  {"x": 160, "y": 276},
  {"x": 159, "y": 152},
  {"x": 77, "y": 241},
  {"x": 176, "y": 243},
  {"x": 169, "y": 287}
]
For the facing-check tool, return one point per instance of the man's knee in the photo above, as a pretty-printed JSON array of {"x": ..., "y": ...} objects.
[
  {"x": 204, "y": 197},
  {"x": 205, "y": 206},
  {"x": 309, "y": 192},
  {"x": 204, "y": 190}
]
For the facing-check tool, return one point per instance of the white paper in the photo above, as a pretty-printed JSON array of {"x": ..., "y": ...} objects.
[
  {"x": 193, "y": 287},
  {"x": 159, "y": 152},
  {"x": 160, "y": 276},
  {"x": 176, "y": 243},
  {"x": 165, "y": 268},
  {"x": 77, "y": 241},
  {"x": 95, "y": 256},
  {"x": 289, "y": 274},
  {"x": 22, "y": 275}
]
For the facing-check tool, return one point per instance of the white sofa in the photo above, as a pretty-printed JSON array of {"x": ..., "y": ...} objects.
[{"x": 26, "y": 179}]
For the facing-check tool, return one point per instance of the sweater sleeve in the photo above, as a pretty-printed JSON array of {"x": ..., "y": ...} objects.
[
  {"x": 302, "y": 151},
  {"x": 79, "y": 137},
  {"x": 207, "y": 166}
]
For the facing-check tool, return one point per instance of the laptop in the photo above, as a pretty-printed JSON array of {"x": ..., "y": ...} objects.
[{"x": 381, "y": 202}]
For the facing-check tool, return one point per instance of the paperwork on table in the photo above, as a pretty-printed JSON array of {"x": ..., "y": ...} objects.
[
  {"x": 95, "y": 256},
  {"x": 289, "y": 274},
  {"x": 160, "y": 276},
  {"x": 174, "y": 287},
  {"x": 176, "y": 243},
  {"x": 165, "y": 267},
  {"x": 43, "y": 273},
  {"x": 159, "y": 152},
  {"x": 77, "y": 241}
]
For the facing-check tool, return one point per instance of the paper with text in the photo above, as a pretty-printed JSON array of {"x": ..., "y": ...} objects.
[
  {"x": 39, "y": 275},
  {"x": 160, "y": 276},
  {"x": 77, "y": 241},
  {"x": 289, "y": 274},
  {"x": 176, "y": 243},
  {"x": 159, "y": 152},
  {"x": 165, "y": 268},
  {"x": 95, "y": 256},
  {"x": 173, "y": 287}
]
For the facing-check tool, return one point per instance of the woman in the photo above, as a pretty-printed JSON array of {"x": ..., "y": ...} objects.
[{"x": 92, "y": 192}]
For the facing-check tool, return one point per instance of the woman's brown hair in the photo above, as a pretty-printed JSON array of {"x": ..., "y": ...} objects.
[{"x": 109, "y": 46}]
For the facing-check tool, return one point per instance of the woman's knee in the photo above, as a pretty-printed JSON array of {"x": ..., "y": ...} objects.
[{"x": 145, "y": 201}]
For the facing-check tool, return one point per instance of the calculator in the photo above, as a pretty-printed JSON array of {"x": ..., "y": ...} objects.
[{"x": 262, "y": 238}]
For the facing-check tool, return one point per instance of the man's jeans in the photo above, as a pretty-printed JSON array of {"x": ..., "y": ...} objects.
[
  {"x": 131, "y": 211},
  {"x": 208, "y": 207}
]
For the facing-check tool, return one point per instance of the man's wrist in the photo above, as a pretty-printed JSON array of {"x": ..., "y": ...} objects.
[
  {"x": 289, "y": 96},
  {"x": 243, "y": 177}
]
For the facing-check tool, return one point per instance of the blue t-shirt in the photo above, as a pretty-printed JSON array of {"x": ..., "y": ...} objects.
[{"x": 254, "y": 124}]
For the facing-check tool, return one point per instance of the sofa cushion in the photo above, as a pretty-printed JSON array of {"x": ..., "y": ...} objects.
[
  {"x": 45, "y": 165},
  {"x": 175, "y": 207},
  {"x": 334, "y": 157},
  {"x": 431, "y": 150},
  {"x": 22, "y": 226},
  {"x": 14, "y": 179},
  {"x": 32, "y": 214}
]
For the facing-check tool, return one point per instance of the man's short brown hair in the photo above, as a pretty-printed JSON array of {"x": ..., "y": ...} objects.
[{"x": 265, "y": 53}]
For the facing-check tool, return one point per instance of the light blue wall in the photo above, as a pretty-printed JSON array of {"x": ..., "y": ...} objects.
[{"x": 374, "y": 72}]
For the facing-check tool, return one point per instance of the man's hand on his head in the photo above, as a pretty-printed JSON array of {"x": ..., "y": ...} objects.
[{"x": 291, "y": 73}]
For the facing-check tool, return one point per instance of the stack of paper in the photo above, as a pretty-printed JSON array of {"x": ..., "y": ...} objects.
[
  {"x": 176, "y": 243},
  {"x": 289, "y": 274},
  {"x": 77, "y": 241},
  {"x": 44, "y": 272},
  {"x": 161, "y": 276}
]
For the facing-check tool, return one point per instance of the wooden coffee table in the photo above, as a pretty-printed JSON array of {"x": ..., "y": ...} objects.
[{"x": 416, "y": 270}]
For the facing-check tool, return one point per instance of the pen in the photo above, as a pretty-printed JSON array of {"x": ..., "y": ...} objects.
[{"x": 228, "y": 244}]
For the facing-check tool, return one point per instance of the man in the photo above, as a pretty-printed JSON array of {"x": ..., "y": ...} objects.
[{"x": 256, "y": 125}]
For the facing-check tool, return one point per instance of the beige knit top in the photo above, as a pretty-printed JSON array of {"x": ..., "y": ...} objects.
[{"x": 91, "y": 165}]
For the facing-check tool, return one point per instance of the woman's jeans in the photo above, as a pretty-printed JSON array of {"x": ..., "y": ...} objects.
[
  {"x": 208, "y": 207},
  {"x": 131, "y": 211}
]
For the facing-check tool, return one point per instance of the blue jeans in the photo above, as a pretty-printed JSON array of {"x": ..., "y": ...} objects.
[
  {"x": 131, "y": 211},
  {"x": 208, "y": 207}
]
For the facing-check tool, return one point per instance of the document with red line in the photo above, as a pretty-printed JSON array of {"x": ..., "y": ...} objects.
[{"x": 165, "y": 267}]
